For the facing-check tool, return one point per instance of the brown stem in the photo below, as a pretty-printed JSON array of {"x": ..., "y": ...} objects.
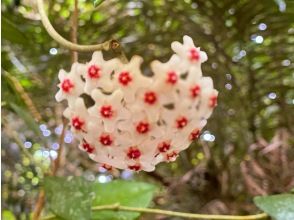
[
  {"x": 39, "y": 205},
  {"x": 41, "y": 198},
  {"x": 118, "y": 51},
  {"x": 74, "y": 31}
]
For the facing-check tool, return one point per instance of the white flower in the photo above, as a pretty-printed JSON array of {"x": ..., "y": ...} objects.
[
  {"x": 129, "y": 78},
  {"x": 71, "y": 85},
  {"x": 109, "y": 109},
  {"x": 190, "y": 55},
  {"x": 166, "y": 79},
  {"x": 136, "y": 122},
  {"x": 78, "y": 116},
  {"x": 139, "y": 127},
  {"x": 97, "y": 73},
  {"x": 166, "y": 75}
]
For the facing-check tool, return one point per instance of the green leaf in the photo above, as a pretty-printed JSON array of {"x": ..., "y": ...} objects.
[
  {"x": 12, "y": 33},
  {"x": 127, "y": 193},
  {"x": 97, "y": 2},
  {"x": 69, "y": 198},
  {"x": 280, "y": 207}
]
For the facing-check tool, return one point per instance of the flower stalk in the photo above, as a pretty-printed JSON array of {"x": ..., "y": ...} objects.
[{"x": 107, "y": 45}]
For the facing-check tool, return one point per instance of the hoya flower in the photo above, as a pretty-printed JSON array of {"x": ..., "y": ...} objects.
[
  {"x": 141, "y": 157},
  {"x": 78, "y": 116},
  {"x": 166, "y": 75},
  {"x": 70, "y": 86},
  {"x": 97, "y": 73},
  {"x": 182, "y": 123},
  {"x": 189, "y": 53},
  {"x": 209, "y": 102},
  {"x": 140, "y": 127},
  {"x": 132, "y": 121},
  {"x": 108, "y": 108},
  {"x": 166, "y": 79},
  {"x": 192, "y": 90},
  {"x": 129, "y": 78}
]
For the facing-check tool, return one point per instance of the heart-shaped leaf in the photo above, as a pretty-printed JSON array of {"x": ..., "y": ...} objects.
[
  {"x": 69, "y": 198},
  {"x": 127, "y": 193},
  {"x": 280, "y": 207}
]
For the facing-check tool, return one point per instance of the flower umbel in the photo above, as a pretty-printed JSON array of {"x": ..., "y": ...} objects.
[{"x": 137, "y": 121}]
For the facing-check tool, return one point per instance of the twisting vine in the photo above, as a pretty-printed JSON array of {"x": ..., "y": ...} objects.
[{"x": 115, "y": 46}]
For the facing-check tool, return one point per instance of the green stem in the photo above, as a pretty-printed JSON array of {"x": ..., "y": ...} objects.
[{"x": 118, "y": 207}]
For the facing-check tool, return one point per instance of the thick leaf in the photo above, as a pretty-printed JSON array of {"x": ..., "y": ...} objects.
[
  {"x": 128, "y": 193},
  {"x": 280, "y": 207},
  {"x": 69, "y": 198}
]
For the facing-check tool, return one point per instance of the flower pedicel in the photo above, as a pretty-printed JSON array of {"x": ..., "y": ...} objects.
[{"x": 136, "y": 121}]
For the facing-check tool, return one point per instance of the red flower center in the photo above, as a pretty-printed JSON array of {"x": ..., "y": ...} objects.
[
  {"x": 133, "y": 153},
  {"x": 135, "y": 167},
  {"x": 181, "y": 122},
  {"x": 88, "y": 147},
  {"x": 106, "y": 166},
  {"x": 172, "y": 78},
  {"x": 105, "y": 139},
  {"x": 195, "y": 91},
  {"x": 150, "y": 98},
  {"x": 67, "y": 85},
  {"x": 163, "y": 146},
  {"x": 213, "y": 101},
  {"x": 94, "y": 72},
  {"x": 77, "y": 123},
  {"x": 194, "y": 55},
  {"x": 142, "y": 127},
  {"x": 194, "y": 134},
  {"x": 171, "y": 155},
  {"x": 124, "y": 78},
  {"x": 106, "y": 111}
]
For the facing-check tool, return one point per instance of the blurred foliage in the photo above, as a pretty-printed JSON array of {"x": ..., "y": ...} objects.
[{"x": 250, "y": 45}]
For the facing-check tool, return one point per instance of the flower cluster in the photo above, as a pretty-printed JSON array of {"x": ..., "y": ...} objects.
[{"x": 137, "y": 121}]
